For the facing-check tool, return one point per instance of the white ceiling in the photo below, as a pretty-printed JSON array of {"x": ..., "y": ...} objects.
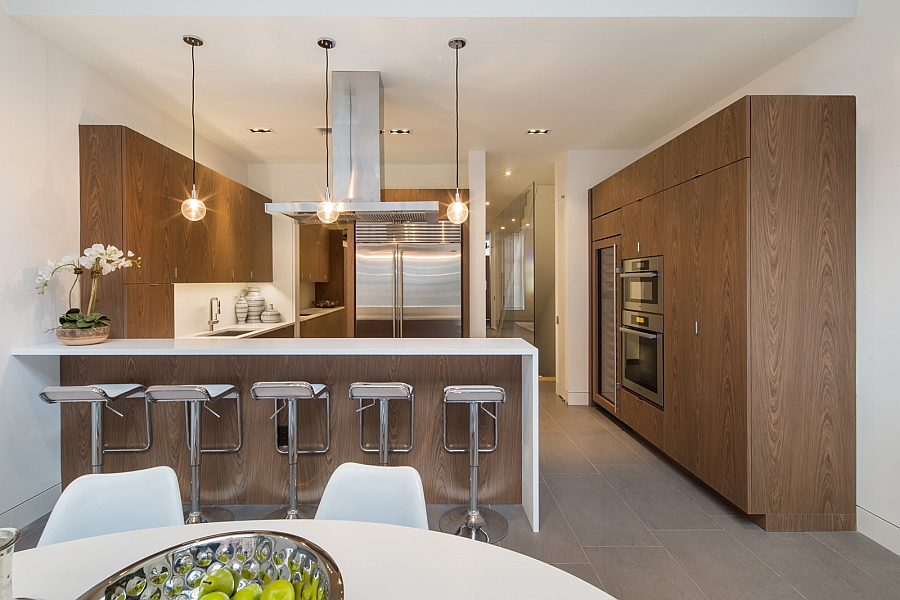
[{"x": 596, "y": 82}]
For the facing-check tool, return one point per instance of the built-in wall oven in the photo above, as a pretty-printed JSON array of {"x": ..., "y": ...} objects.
[
  {"x": 642, "y": 284},
  {"x": 642, "y": 354}
]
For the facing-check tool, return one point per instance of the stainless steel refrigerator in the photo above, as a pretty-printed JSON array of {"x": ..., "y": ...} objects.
[{"x": 408, "y": 280}]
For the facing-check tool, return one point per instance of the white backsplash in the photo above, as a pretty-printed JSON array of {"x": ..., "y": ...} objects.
[{"x": 192, "y": 304}]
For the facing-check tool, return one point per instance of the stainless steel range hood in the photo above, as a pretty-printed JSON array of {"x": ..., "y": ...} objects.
[{"x": 358, "y": 143}]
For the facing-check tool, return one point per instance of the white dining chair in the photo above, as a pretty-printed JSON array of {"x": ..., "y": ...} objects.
[
  {"x": 391, "y": 495},
  {"x": 115, "y": 502}
]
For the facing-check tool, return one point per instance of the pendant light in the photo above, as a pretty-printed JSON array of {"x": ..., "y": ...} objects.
[
  {"x": 193, "y": 208},
  {"x": 457, "y": 212},
  {"x": 328, "y": 210}
]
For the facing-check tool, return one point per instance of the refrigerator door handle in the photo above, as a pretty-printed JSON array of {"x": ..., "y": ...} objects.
[
  {"x": 394, "y": 292},
  {"x": 400, "y": 288}
]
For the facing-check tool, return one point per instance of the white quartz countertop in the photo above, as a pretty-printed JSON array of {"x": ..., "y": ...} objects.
[{"x": 288, "y": 346}]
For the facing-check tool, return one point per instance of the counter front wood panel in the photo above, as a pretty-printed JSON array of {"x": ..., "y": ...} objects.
[{"x": 258, "y": 474}]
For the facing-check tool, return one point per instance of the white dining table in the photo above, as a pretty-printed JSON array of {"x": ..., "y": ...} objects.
[{"x": 377, "y": 562}]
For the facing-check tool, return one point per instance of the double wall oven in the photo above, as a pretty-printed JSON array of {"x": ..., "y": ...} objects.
[{"x": 642, "y": 327}]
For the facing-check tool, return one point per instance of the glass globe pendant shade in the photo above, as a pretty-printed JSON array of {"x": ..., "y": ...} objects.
[
  {"x": 328, "y": 210},
  {"x": 193, "y": 209},
  {"x": 457, "y": 212}
]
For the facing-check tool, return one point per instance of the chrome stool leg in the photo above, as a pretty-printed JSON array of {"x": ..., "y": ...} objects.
[
  {"x": 381, "y": 394},
  {"x": 195, "y": 398},
  {"x": 97, "y": 436},
  {"x": 290, "y": 392},
  {"x": 478, "y": 523}
]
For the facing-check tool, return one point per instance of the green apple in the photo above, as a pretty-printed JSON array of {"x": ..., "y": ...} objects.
[
  {"x": 215, "y": 596},
  {"x": 280, "y": 589},
  {"x": 220, "y": 580},
  {"x": 251, "y": 591}
]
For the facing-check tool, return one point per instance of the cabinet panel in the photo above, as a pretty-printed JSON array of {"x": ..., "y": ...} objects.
[
  {"x": 607, "y": 226},
  {"x": 643, "y": 417},
  {"x": 641, "y": 228},
  {"x": 259, "y": 245},
  {"x": 650, "y": 176},
  {"x": 315, "y": 251},
  {"x": 725, "y": 136},
  {"x": 149, "y": 310},
  {"x": 607, "y": 196},
  {"x": 723, "y": 332},
  {"x": 681, "y": 158},
  {"x": 631, "y": 229},
  {"x": 681, "y": 252}
]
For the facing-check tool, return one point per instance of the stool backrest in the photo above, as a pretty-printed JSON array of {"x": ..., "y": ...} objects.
[
  {"x": 115, "y": 502},
  {"x": 391, "y": 495}
]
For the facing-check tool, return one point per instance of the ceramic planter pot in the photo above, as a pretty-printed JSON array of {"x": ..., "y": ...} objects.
[{"x": 82, "y": 337}]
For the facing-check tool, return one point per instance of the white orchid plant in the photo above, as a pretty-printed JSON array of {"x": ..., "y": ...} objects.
[{"x": 97, "y": 260}]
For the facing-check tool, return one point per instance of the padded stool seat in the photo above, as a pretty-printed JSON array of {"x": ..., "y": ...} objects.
[
  {"x": 196, "y": 398},
  {"x": 100, "y": 395}
]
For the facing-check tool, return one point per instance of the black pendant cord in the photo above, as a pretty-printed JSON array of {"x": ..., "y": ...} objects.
[
  {"x": 327, "y": 134},
  {"x": 457, "y": 123},
  {"x": 193, "y": 123}
]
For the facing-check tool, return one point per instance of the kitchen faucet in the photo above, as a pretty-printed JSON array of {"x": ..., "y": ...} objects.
[{"x": 215, "y": 309}]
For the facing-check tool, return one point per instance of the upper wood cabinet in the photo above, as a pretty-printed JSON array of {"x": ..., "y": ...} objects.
[
  {"x": 715, "y": 142},
  {"x": 315, "y": 254},
  {"x": 756, "y": 227}
]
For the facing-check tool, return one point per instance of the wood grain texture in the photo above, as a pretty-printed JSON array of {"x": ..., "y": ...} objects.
[
  {"x": 257, "y": 474},
  {"x": 645, "y": 418},
  {"x": 608, "y": 225},
  {"x": 631, "y": 229},
  {"x": 680, "y": 237},
  {"x": 724, "y": 422},
  {"x": 260, "y": 247},
  {"x": 282, "y": 332},
  {"x": 606, "y": 196},
  {"x": 149, "y": 310},
  {"x": 802, "y": 303},
  {"x": 102, "y": 215},
  {"x": 828, "y": 522},
  {"x": 333, "y": 289}
]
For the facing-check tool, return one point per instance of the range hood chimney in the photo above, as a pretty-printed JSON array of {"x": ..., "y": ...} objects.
[{"x": 358, "y": 165}]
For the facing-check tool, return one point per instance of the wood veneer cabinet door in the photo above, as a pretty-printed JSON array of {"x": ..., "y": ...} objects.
[
  {"x": 149, "y": 310},
  {"x": 631, "y": 229},
  {"x": 681, "y": 267},
  {"x": 259, "y": 248},
  {"x": 607, "y": 196},
  {"x": 608, "y": 225},
  {"x": 153, "y": 192},
  {"x": 641, "y": 228},
  {"x": 724, "y": 425}
]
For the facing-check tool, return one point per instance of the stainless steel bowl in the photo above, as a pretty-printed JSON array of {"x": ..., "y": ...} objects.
[{"x": 258, "y": 556}]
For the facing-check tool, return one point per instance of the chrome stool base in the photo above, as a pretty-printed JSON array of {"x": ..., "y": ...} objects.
[
  {"x": 457, "y": 521},
  {"x": 284, "y": 513},
  {"x": 208, "y": 514}
]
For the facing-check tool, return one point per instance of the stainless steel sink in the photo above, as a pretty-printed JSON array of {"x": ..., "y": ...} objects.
[{"x": 227, "y": 333}]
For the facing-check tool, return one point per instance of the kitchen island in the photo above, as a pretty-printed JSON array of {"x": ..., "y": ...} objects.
[{"x": 257, "y": 474}]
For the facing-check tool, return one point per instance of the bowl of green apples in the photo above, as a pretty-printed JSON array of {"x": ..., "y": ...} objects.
[{"x": 247, "y": 565}]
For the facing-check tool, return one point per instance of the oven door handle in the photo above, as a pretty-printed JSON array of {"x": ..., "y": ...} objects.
[
  {"x": 649, "y": 336},
  {"x": 639, "y": 274}
]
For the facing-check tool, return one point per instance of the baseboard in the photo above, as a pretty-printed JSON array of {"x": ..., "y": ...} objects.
[
  {"x": 32, "y": 509},
  {"x": 578, "y": 399},
  {"x": 883, "y": 532}
]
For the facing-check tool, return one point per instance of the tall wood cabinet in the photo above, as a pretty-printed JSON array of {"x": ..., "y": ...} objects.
[
  {"x": 131, "y": 193},
  {"x": 753, "y": 212}
]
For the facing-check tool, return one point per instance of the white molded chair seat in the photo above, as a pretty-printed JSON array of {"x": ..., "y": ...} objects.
[
  {"x": 115, "y": 502},
  {"x": 391, "y": 495}
]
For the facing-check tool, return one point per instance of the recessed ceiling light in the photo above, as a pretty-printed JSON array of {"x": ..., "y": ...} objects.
[
  {"x": 537, "y": 131},
  {"x": 261, "y": 130},
  {"x": 401, "y": 131},
  {"x": 507, "y": 172}
]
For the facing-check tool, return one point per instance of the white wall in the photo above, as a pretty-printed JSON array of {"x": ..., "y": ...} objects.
[
  {"x": 44, "y": 95},
  {"x": 861, "y": 58},
  {"x": 576, "y": 173},
  {"x": 477, "y": 283}
]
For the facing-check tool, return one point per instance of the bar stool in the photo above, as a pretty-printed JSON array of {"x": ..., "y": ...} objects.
[
  {"x": 99, "y": 395},
  {"x": 195, "y": 398},
  {"x": 381, "y": 394},
  {"x": 471, "y": 521},
  {"x": 289, "y": 392}
]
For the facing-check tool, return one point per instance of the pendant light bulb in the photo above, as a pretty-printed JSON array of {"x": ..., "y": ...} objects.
[
  {"x": 328, "y": 210},
  {"x": 193, "y": 209},
  {"x": 457, "y": 212}
]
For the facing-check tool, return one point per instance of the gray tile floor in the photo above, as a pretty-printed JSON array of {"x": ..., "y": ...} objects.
[{"x": 622, "y": 517}]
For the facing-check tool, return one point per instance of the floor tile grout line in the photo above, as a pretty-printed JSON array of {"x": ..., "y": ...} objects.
[
  {"x": 877, "y": 579},
  {"x": 765, "y": 564},
  {"x": 691, "y": 500},
  {"x": 569, "y": 525}
]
